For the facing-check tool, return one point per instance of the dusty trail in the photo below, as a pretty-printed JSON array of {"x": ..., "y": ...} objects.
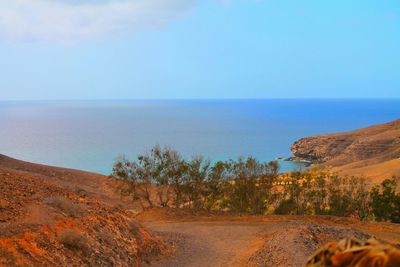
[
  {"x": 208, "y": 240},
  {"x": 214, "y": 243}
]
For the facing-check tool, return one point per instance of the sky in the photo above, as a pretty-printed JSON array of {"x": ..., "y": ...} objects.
[{"x": 192, "y": 49}]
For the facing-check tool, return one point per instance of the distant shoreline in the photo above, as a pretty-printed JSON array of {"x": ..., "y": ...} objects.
[
  {"x": 90, "y": 136},
  {"x": 308, "y": 163}
]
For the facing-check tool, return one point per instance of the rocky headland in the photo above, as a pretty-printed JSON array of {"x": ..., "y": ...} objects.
[{"x": 371, "y": 152}]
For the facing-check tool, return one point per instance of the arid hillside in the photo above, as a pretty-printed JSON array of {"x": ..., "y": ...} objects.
[
  {"x": 59, "y": 217},
  {"x": 371, "y": 152}
]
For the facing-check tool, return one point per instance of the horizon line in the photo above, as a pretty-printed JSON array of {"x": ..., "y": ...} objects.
[{"x": 196, "y": 99}]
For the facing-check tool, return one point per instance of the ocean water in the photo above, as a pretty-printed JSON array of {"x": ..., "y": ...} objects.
[{"x": 89, "y": 135}]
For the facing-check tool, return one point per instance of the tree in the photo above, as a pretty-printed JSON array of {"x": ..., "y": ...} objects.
[
  {"x": 215, "y": 185},
  {"x": 161, "y": 178},
  {"x": 197, "y": 174},
  {"x": 385, "y": 202},
  {"x": 250, "y": 188},
  {"x": 138, "y": 175}
]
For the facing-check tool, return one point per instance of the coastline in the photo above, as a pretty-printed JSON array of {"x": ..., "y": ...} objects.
[
  {"x": 308, "y": 163},
  {"x": 219, "y": 130}
]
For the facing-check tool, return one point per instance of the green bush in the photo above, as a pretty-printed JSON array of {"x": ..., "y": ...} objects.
[
  {"x": 287, "y": 206},
  {"x": 385, "y": 202}
]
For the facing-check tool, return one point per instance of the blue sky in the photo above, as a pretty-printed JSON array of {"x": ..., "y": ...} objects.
[{"x": 137, "y": 49}]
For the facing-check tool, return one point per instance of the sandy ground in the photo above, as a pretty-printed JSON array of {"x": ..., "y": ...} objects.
[
  {"x": 256, "y": 241},
  {"x": 214, "y": 243}
]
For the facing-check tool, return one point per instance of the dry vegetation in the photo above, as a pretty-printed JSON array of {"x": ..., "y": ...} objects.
[
  {"x": 163, "y": 178},
  {"x": 52, "y": 216},
  {"x": 217, "y": 209}
]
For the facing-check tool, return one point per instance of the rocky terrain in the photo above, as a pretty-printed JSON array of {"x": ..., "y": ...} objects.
[
  {"x": 372, "y": 152},
  {"x": 301, "y": 239},
  {"x": 284, "y": 240},
  {"x": 59, "y": 217}
]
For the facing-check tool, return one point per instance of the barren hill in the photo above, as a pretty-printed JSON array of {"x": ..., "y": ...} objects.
[
  {"x": 372, "y": 151},
  {"x": 59, "y": 217}
]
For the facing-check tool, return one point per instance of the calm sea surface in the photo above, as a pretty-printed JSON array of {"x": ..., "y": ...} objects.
[{"x": 90, "y": 135}]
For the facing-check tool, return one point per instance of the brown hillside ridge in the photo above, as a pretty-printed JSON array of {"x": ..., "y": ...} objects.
[
  {"x": 371, "y": 152},
  {"x": 59, "y": 217}
]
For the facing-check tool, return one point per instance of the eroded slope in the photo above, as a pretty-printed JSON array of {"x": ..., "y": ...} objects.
[
  {"x": 372, "y": 151},
  {"x": 59, "y": 217}
]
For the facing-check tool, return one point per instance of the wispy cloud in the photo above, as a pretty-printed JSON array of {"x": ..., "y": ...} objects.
[{"x": 77, "y": 20}]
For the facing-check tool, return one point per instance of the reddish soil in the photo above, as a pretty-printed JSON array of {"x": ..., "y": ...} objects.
[
  {"x": 59, "y": 217},
  {"x": 53, "y": 216},
  {"x": 225, "y": 240}
]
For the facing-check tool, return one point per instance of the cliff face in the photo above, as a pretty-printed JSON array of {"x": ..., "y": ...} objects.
[{"x": 351, "y": 150}]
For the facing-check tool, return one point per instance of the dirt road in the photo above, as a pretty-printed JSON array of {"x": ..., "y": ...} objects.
[
  {"x": 265, "y": 241},
  {"x": 214, "y": 243}
]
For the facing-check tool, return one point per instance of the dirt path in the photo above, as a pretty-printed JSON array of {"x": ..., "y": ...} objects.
[
  {"x": 215, "y": 243},
  {"x": 254, "y": 241}
]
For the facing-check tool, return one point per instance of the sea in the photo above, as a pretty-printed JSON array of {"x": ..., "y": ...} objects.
[{"x": 90, "y": 135}]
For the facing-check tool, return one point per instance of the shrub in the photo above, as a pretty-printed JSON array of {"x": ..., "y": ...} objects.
[
  {"x": 287, "y": 206},
  {"x": 135, "y": 230},
  {"x": 64, "y": 205},
  {"x": 195, "y": 186},
  {"x": 385, "y": 202},
  {"x": 162, "y": 167},
  {"x": 72, "y": 240},
  {"x": 163, "y": 177},
  {"x": 250, "y": 186}
]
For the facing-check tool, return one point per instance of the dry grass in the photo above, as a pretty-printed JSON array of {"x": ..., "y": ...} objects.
[
  {"x": 65, "y": 206},
  {"x": 72, "y": 240},
  {"x": 376, "y": 173}
]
